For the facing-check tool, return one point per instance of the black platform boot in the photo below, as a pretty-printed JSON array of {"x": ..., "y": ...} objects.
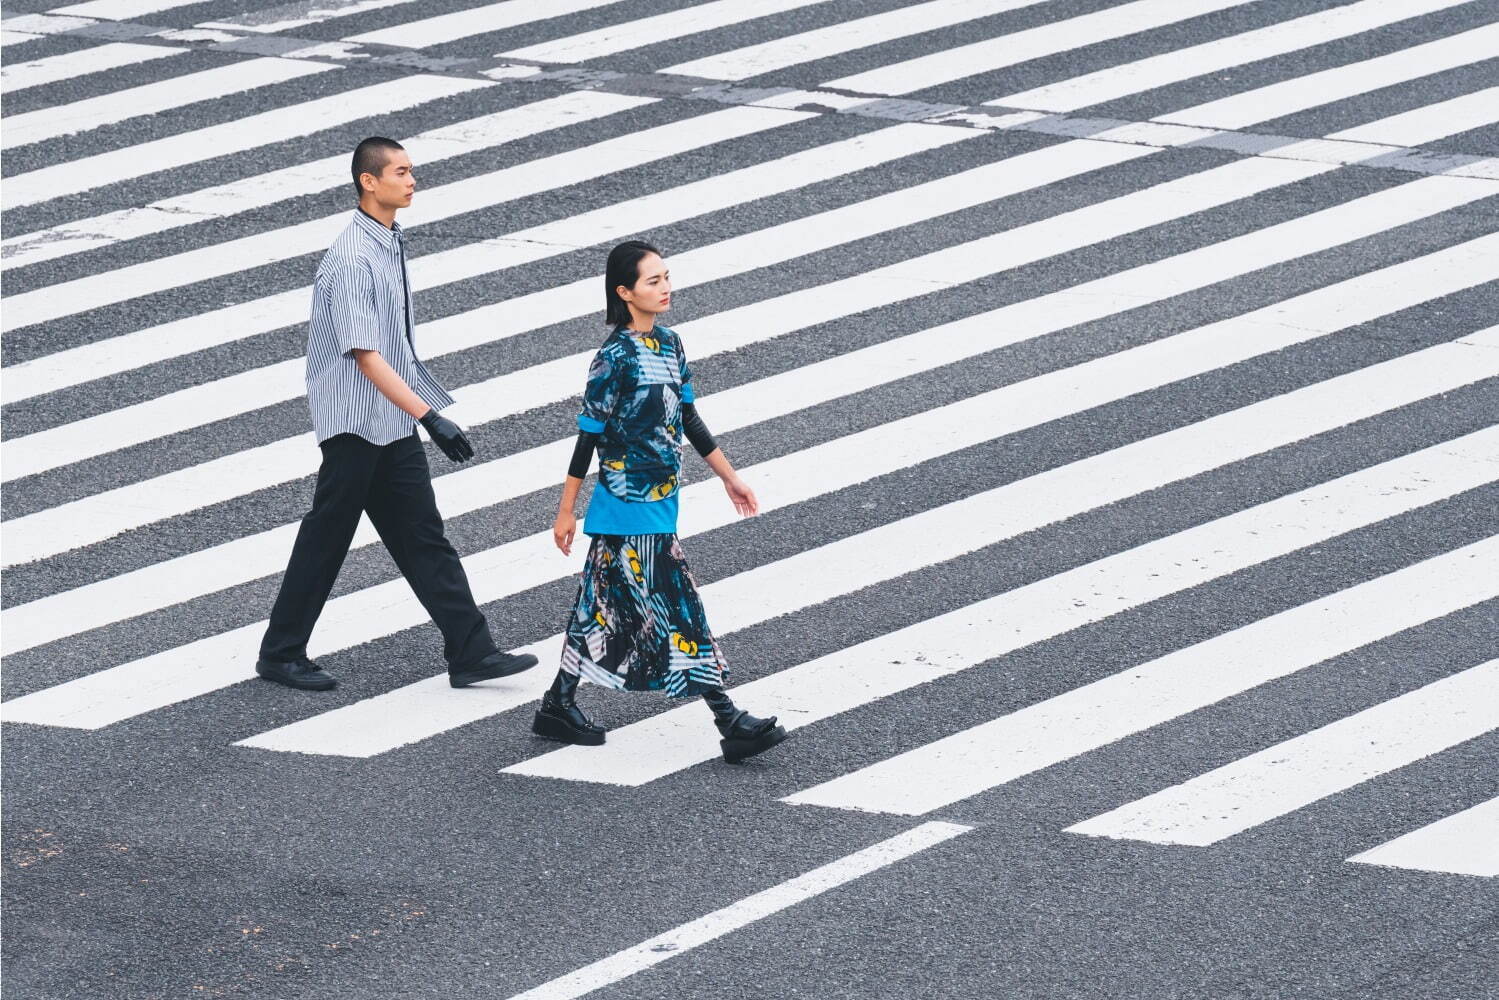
[
  {"x": 560, "y": 718},
  {"x": 743, "y": 734}
]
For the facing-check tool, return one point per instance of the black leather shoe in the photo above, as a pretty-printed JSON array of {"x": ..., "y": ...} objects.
[
  {"x": 301, "y": 674},
  {"x": 492, "y": 666}
]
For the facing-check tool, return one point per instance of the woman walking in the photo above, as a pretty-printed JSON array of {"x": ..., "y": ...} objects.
[{"x": 638, "y": 624}]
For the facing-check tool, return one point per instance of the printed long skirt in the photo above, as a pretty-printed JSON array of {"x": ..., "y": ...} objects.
[{"x": 638, "y": 623}]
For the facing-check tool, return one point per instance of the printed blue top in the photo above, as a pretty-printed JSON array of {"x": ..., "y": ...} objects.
[{"x": 633, "y": 401}]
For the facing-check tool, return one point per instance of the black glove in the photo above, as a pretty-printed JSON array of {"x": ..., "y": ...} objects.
[{"x": 448, "y": 436}]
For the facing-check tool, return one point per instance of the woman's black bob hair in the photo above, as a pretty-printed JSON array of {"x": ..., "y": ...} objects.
[{"x": 623, "y": 268}]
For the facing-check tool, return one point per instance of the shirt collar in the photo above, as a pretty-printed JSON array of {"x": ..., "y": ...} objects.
[{"x": 375, "y": 229}]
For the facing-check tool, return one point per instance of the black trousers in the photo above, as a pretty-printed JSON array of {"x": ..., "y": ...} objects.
[{"x": 393, "y": 484}]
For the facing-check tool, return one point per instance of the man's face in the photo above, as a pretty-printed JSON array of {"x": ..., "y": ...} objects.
[{"x": 396, "y": 185}]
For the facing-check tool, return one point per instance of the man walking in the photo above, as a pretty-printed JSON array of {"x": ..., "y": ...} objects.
[{"x": 368, "y": 390}]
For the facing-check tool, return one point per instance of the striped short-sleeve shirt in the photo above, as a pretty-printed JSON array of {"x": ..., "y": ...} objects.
[{"x": 361, "y": 298}]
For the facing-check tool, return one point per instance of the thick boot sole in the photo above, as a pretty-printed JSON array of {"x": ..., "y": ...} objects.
[
  {"x": 556, "y": 729},
  {"x": 738, "y": 751}
]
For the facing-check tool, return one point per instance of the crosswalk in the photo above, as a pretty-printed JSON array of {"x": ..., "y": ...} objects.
[
  {"x": 187, "y": 148},
  {"x": 1294, "y": 35},
  {"x": 152, "y": 98},
  {"x": 233, "y": 198},
  {"x": 1280, "y": 778},
  {"x": 907, "y": 262},
  {"x": 67, "y": 65}
]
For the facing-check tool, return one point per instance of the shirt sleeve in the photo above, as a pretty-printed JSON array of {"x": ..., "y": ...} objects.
[
  {"x": 351, "y": 302},
  {"x": 689, "y": 395},
  {"x": 601, "y": 394}
]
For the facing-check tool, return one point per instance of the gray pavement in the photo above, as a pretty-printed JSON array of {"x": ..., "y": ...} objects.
[{"x": 153, "y": 858}]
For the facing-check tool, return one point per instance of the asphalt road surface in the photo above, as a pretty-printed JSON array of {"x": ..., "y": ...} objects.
[{"x": 1120, "y": 384}]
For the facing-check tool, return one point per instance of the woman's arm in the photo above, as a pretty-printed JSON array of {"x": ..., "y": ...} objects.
[
  {"x": 600, "y": 398},
  {"x": 565, "y": 527},
  {"x": 697, "y": 431},
  {"x": 739, "y": 492}
]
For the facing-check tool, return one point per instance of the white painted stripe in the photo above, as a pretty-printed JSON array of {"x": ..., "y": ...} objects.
[
  {"x": 623, "y": 964},
  {"x": 468, "y": 195},
  {"x": 205, "y": 665},
  {"x": 260, "y": 387},
  {"x": 17, "y": 37},
  {"x": 557, "y": 379},
  {"x": 1425, "y": 124},
  {"x": 825, "y": 98},
  {"x": 196, "y": 35},
  {"x": 275, "y": 19},
  {"x": 654, "y": 30},
  {"x": 949, "y": 770},
  {"x": 1430, "y": 123},
  {"x": 430, "y": 706},
  {"x": 58, "y": 370},
  {"x": 38, "y": 72},
  {"x": 194, "y": 330},
  {"x": 993, "y": 254},
  {"x": 151, "y": 98},
  {"x": 1315, "y": 89},
  {"x": 1293, "y": 774},
  {"x": 93, "y": 518},
  {"x": 228, "y": 137},
  {"x": 1465, "y": 843},
  {"x": 223, "y": 565},
  {"x": 474, "y": 21},
  {"x": 991, "y": 54},
  {"x": 1222, "y": 53},
  {"x": 1107, "y": 710},
  {"x": 1101, "y": 589},
  {"x": 426, "y": 708},
  {"x": 846, "y": 36},
  {"x": 41, "y": 25},
  {"x": 1355, "y": 300},
  {"x": 123, "y": 10}
]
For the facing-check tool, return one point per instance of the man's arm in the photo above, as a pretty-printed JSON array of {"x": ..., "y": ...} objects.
[
  {"x": 391, "y": 385},
  {"x": 445, "y": 434}
]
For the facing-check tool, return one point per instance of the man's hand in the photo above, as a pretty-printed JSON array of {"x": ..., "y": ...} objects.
[{"x": 448, "y": 436}]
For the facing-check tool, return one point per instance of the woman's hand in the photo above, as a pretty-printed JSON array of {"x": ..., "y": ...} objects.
[
  {"x": 563, "y": 530},
  {"x": 741, "y": 496}
]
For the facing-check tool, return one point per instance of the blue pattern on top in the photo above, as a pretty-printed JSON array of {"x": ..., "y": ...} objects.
[{"x": 633, "y": 401}]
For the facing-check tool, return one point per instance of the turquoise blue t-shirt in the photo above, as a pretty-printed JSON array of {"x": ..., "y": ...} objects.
[
  {"x": 636, "y": 386},
  {"x": 609, "y": 515}
]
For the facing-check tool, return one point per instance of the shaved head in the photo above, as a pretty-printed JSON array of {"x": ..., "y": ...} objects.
[{"x": 370, "y": 157}]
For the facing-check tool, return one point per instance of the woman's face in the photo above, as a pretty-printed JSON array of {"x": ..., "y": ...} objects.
[{"x": 652, "y": 291}]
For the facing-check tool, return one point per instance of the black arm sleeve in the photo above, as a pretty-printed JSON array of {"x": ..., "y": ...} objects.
[
  {"x": 583, "y": 454},
  {"x": 697, "y": 431}
]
